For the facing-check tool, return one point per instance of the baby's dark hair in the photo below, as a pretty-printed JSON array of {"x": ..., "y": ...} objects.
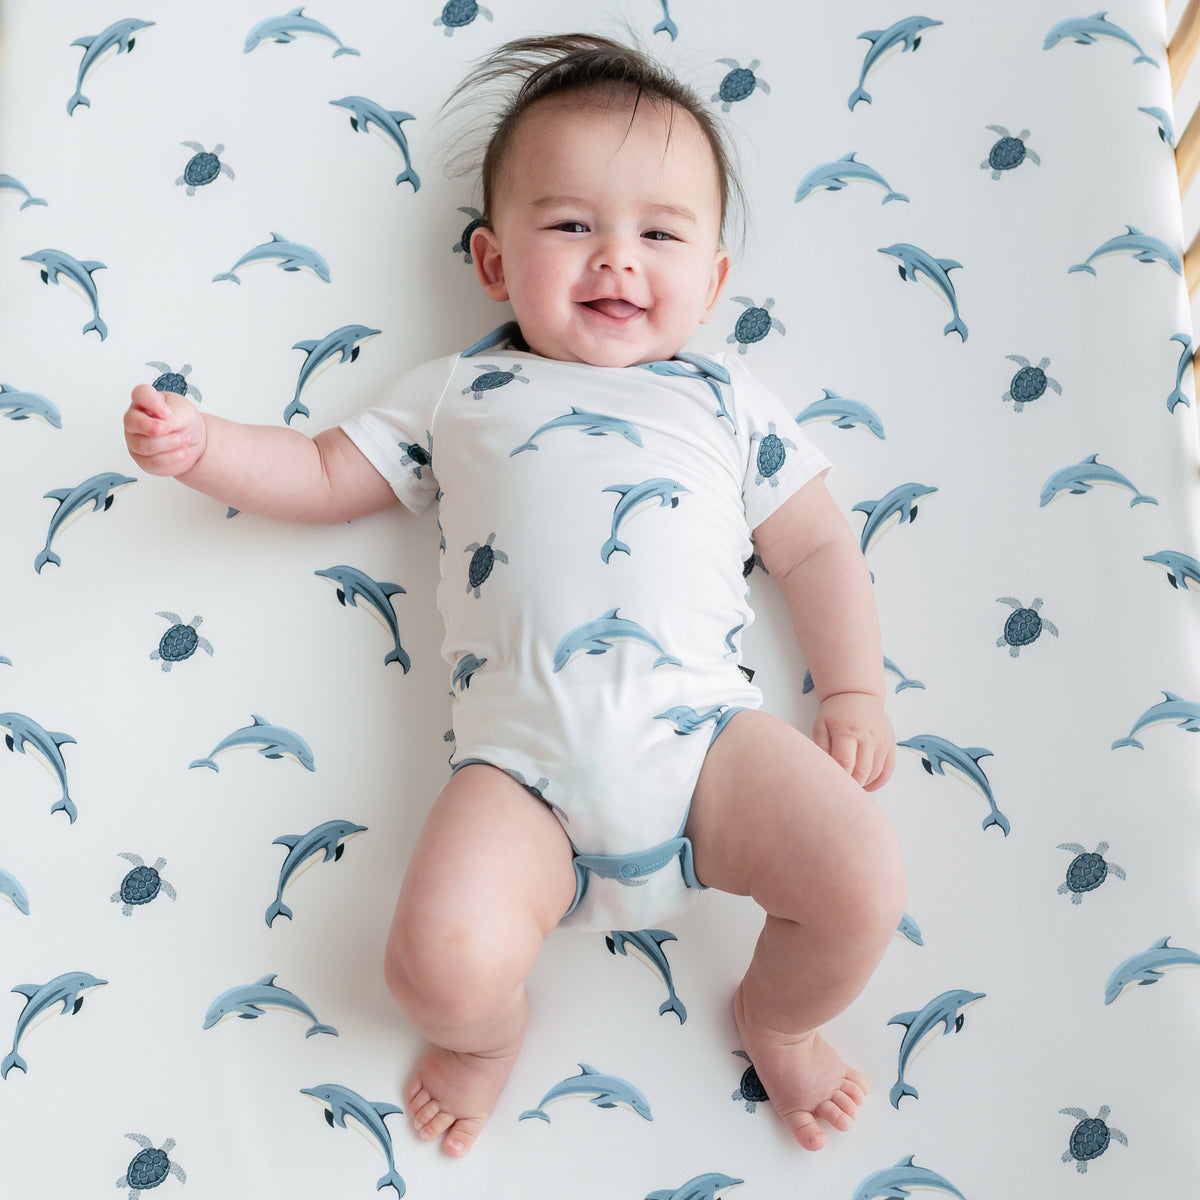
[{"x": 593, "y": 67}]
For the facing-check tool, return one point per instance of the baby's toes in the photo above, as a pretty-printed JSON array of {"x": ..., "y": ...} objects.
[
  {"x": 806, "y": 1131},
  {"x": 838, "y": 1117},
  {"x": 462, "y": 1137}
]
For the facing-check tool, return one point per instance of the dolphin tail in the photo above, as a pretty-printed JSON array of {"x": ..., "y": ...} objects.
[
  {"x": 75, "y": 101},
  {"x": 957, "y": 326},
  {"x": 666, "y": 25},
  {"x": 895, "y": 196},
  {"x": 398, "y": 655},
  {"x": 31, "y": 200},
  {"x": 858, "y": 94},
  {"x": 347, "y": 50},
  {"x": 44, "y": 557},
  {"x": 534, "y": 1112},
  {"x": 1140, "y": 499},
  {"x": 675, "y": 1005},
  {"x": 1146, "y": 58},
  {"x": 909, "y": 683},
  {"x": 12, "y": 1060},
  {"x": 277, "y": 909},
  {"x": 323, "y": 1029},
  {"x": 664, "y": 659},
  {"x": 1082, "y": 267},
  {"x": 204, "y": 762},
  {"x": 996, "y": 817},
  {"x": 98, "y": 325},
  {"x": 295, "y": 408},
  {"x": 408, "y": 175},
  {"x": 526, "y": 446},
  {"x": 1176, "y": 397},
  {"x": 1127, "y": 741},
  {"x": 899, "y": 1090},
  {"x": 227, "y": 275},
  {"x": 392, "y": 1178},
  {"x": 67, "y": 805},
  {"x": 612, "y": 546}
]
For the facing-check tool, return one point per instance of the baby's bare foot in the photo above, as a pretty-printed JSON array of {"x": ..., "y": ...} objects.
[
  {"x": 805, "y": 1080},
  {"x": 452, "y": 1093}
]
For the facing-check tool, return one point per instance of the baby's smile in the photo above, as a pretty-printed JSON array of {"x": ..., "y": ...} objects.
[{"x": 614, "y": 308}]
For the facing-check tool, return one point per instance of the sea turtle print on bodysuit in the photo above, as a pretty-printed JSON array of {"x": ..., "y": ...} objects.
[{"x": 574, "y": 654}]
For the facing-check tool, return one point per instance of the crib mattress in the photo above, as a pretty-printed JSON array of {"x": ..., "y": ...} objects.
[{"x": 214, "y": 722}]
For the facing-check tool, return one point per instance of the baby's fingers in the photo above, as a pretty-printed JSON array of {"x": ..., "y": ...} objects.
[{"x": 147, "y": 400}]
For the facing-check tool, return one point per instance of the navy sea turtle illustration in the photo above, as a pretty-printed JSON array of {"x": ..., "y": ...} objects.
[
  {"x": 755, "y": 323},
  {"x": 738, "y": 83},
  {"x": 750, "y": 1089},
  {"x": 1090, "y": 1138},
  {"x": 772, "y": 451},
  {"x": 483, "y": 559},
  {"x": 1088, "y": 870},
  {"x": 180, "y": 642},
  {"x": 170, "y": 380},
  {"x": 150, "y": 1166},
  {"x": 1029, "y": 383},
  {"x": 463, "y": 245},
  {"x": 1024, "y": 625},
  {"x": 1009, "y": 152},
  {"x": 493, "y": 377},
  {"x": 418, "y": 456},
  {"x": 203, "y": 167},
  {"x": 141, "y": 885},
  {"x": 457, "y": 13}
]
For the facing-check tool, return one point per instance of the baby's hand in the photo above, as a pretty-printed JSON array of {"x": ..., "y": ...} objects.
[
  {"x": 164, "y": 432},
  {"x": 853, "y": 729}
]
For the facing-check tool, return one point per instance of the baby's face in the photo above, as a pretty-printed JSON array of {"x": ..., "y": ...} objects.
[{"x": 606, "y": 236}]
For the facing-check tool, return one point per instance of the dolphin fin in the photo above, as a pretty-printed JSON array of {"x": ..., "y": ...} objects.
[
  {"x": 975, "y": 753},
  {"x": 290, "y": 840},
  {"x": 89, "y": 266},
  {"x": 59, "y": 494},
  {"x": 392, "y": 589},
  {"x": 259, "y": 720},
  {"x": 948, "y": 264},
  {"x": 1161, "y": 944},
  {"x": 265, "y": 981},
  {"x": 401, "y": 116},
  {"x": 904, "y": 1018},
  {"x": 872, "y": 35},
  {"x": 85, "y": 42},
  {"x": 29, "y": 990},
  {"x": 307, "y": 346},
  {"x": 61, "y": 739}
]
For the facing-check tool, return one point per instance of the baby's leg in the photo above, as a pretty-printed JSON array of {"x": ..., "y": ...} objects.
[
  {"x": 490, "y": 877},
  {"x": 774, "y": 817}
]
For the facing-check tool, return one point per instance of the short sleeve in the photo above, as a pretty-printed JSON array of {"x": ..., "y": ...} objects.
[
  {"x": 780, "y": 459},
  {"x": 395, "y": 433}
]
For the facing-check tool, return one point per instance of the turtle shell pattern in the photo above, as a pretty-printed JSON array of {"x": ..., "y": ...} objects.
[
  {"x": 751, "y": 1087},
  {"x": 418, "y": 454},
  {"x": 1086, "y": 872},
  {"x": 140, "y": 886},
  {"x": 1089, "y": 1139},
  {"x": 752, "y": 326},
  {"x": 1022, "y": 627},
  {"x": 771, "y": 454},
  {"x": 171, "y": 381},
  {"x": 202, "y": 168},
  {"x": 738, "y": 84},
  {"x": 178, "y": 643},
  {"x": 148, "y": 1169},
  {"x": 1006, "y": 154},
  {"x": 493, "y": 379},
  {"x": 1028, "y": 384},
  {"x": 457, "y": 13},
  {"x": 482, "y": 562}
]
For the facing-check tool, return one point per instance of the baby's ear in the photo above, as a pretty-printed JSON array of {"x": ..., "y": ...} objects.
[
  {"x": 489, "y": 263},
  {"x": 720, "y": 273}
]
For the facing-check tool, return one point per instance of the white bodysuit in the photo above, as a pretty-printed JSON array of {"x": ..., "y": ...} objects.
[{"x": 596, "y": 522}]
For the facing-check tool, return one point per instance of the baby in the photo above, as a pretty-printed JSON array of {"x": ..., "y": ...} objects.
[{"x": 611, "y": 757}]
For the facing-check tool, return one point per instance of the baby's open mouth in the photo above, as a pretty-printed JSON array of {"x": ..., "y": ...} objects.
[{"x": 610, "y": 306}]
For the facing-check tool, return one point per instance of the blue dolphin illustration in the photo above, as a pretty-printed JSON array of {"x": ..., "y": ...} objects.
[
  {"x": 353, "y": 585},
  {"x": 285, "y": 254},
  {"x": 936, "y": 271},
  {"x": 8, "y": 183},
  {"x": 605, "y": 1091},
  {"x": 900, "y": 1181},
  {"x": 328, "y": 839},
  {"x": 593, "y": 424},
  {"x": 688, "y": 720},
  {"x": 249, "y": 1001},
  {"x": 285, "y": 29},
  {"x": 834, "y": 176},
  {"x": 1142, "y": 246},
  {"x": 666, "y": 25},
  {"x": 709, "y": 1186},
  {"x": 10, "y": 886},
  {"x": 273, "y": 741},
  {"x": 341, "y": 1103},
  {"x": 320, "y": 354},
  {"x": 98, "y": 491},
  {"x": 1079, "y": 477},
  {"x": 1085, "y": 30},
  {"x": 58, "y": 267},
  {"x": 25, "y": 735},
  {"x": 17, "y": 405},
  {"x": 647, "y": 946},
  {"x": 116, "y": 39},
  {"x": 695, "y": 366},
  {"x": 464, "y": 669},
  {"x": 1182, "y": 570},
  {"x": 908, "y": 928},
  {"x": 1185, "y": 714},
  {"x": 1166, "y": 126},
  {"x": 596, "y": 637},
  {"x": 898, "y": 507},
  {"x": 366, "y": 116},
  {"x": 904, "y": 35},
  {"x": 67, "y": 991},
  {"x": 942, "y": 1015},
  {"x": 633, "y": 496},
  {"x": 1147, "y": 967},
  {"x": 845, "y": 414},
  {"x": 1178, "y": 396},
  {"x": 937, "y": 754}
]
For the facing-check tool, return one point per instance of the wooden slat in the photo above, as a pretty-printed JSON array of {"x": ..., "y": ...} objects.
[{"x": 1183, "y": 46}]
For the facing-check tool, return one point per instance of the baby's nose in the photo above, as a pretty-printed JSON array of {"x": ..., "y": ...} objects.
[{"x": 615, "y": 253}]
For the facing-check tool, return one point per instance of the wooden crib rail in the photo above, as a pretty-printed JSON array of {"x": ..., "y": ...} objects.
[{"x": 1180, "y": 52}]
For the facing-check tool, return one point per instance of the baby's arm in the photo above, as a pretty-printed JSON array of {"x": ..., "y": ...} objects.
[
  {"x": 810, "y": 550},
  {"x": 270, "y": 470}
]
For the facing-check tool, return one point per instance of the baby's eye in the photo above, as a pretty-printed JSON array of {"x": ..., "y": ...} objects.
[
  {"x": 659, "y": 235},
  {"x": 571, "y": 227}
]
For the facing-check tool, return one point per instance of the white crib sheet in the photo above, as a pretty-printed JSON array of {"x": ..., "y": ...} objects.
[{"x": 1041, "y": 630}]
